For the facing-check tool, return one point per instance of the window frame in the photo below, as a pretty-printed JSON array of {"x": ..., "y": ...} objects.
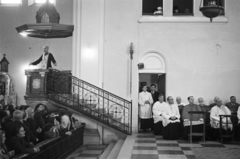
[
  {"x": 184, "y": 14},
  {"x": 152, "y": 14},
  {"x": 168, "y": 16},
  {"x": 10, "y": 4},
  {"x": 33, "y": 2}
]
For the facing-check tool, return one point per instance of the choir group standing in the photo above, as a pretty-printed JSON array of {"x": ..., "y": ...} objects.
[{"x": 173, "y": 124}]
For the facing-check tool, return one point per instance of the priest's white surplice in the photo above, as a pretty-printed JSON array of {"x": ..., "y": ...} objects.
[
  {"x": 158, "y": 109},
  {"x": 171, "y": 110},
  {"x": 145, "y": 110}
]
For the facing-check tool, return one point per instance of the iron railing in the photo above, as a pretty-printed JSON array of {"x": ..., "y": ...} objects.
[
  {"x": 57, "y": 148},
  {"x": 90, "y": 100}
]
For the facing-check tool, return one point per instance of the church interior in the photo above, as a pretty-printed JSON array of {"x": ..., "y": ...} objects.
[{"x": 78, "y": 77}]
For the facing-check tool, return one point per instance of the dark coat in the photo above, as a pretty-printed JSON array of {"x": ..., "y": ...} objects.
[
  {"x": 154, "y": 96},
  {"x": 233, "y": 107},
  {"x": 20, "y": 146},
  {"x": 9, "y": 129}
]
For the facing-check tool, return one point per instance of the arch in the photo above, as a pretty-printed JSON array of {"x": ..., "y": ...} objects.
[{"x": 153, "y": 62}]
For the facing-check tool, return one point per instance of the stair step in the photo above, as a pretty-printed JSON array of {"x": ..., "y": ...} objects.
[
  {"x": 91, "y": 136},
  {"x": 91, "y": 132},
  {"x": 116, "y": 149},
  {"x": 107, "y": 151}
]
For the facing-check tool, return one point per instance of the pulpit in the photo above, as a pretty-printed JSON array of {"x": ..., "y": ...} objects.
[{"x": 42, "y": 82}]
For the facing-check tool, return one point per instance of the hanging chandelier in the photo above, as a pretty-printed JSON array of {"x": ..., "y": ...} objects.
[
  {"x": 47, "y": 25},
  {"x": 211, "y": 8}
]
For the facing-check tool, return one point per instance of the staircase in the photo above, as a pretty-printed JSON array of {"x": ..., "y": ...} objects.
[
  {"x": 64, "y": 90},
  {"x": 91, "y": 136}
]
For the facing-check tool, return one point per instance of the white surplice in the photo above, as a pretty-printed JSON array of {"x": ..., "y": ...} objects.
[
  {"x": 145, "y": 110},
  {"x": 215, "y": 119},
  {"x": 169, "y": 111},
  {"x": 158, "y": 109},
  {"x": 44, "y": 61},
  {"x": 238, "y": 114}
]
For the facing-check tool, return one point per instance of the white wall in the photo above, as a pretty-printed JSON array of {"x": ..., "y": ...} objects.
[
  {"x": 20, "y": 51},
  {"x": 202, "y": 59}
]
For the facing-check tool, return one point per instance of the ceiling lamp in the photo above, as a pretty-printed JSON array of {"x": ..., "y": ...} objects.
[
  {"x": 47, "y": 25},
  {"x": 211, "y": 8}
]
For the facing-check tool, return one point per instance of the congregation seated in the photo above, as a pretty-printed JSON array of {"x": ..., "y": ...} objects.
[
  {"x": 65, "y": 126},
  {"x": 197, "y": 119},
  {"x": 4, "y": 153},
  {"x": 22, "y": 128},
  {"x": 171, "y": 120},
  {"x": 9, "y": 128},
  {"x": 217, "y": 110},
  {"x": 158, "y": 109},
  {"x": 19, "y": 144},
  {"x": 39, "y": 125}
]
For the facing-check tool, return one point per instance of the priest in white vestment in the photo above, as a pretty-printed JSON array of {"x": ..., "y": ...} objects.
[
  {"x": 145, "y": 102},
  {"x": 217, "y": 110},
  {"x": 171, "y": 120},
  {"x": 238, "y": 126},
  {"x": 158, "y": 109}
]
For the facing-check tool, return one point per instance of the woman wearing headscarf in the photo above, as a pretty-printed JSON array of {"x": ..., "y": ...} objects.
[{"x": 4, "y": 153}]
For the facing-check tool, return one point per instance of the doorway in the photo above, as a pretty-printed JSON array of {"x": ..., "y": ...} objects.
[{"x": 159, "y": 79}]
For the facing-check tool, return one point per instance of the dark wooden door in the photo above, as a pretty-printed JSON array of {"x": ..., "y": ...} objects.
[{"x": 162, "y": 84}]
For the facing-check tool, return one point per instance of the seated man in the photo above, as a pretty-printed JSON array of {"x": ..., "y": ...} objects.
[
  {"x": 197, "y": 119},
  {"x": 206, "y": 109},
  {"x": 171, "y": 120},
  {"x": 180, "y": 105},
  {"x": 238, "y": 130},
  {"x": 202, "y": 105},
  {"x": 215, "y": 102},
  {"x": 217, "y": 110},
  {"x": 158, "y": 109},
  {"x": 233, "y": 105},
  {"x": 179, "y": 101}
]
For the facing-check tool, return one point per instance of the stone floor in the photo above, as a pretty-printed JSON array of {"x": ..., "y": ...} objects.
[
  {"x": 148, "y": 146},
  {"x": 88, "y": 152}
]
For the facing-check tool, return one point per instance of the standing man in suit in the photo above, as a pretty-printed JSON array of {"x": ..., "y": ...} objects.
[{"x": 154, "y": 93}]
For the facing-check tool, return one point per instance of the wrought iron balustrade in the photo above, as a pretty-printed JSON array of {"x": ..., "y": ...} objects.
[{"x": 90, "y": 100}]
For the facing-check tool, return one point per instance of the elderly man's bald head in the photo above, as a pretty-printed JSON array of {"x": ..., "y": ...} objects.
[
  {"x": 200, "y": 100},
  {"x": 46, "y": 48},
  {"x": 219, "y": 102},
  {"x": 215, "y": 99},
  {"x": 178, "y": 100}
]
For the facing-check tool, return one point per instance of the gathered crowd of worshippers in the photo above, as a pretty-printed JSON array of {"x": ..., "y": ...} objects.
[
  {"x": 173, "y": 121},
  {"x": 22, "y": 128}
]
